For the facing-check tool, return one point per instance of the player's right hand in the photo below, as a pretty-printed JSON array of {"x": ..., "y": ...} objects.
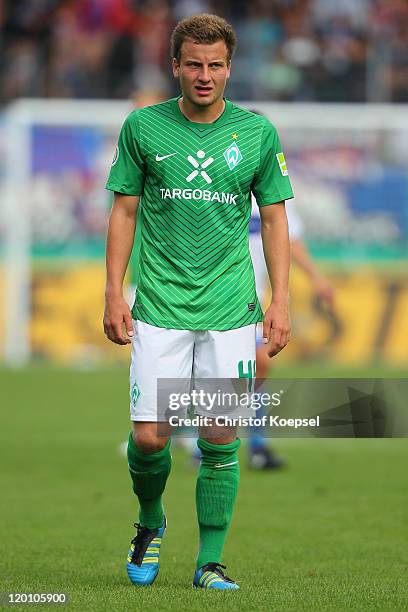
[{"x": 117, "y": 320}]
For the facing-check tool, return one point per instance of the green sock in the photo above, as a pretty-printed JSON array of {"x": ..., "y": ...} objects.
[
  {"x": 217, "y": 487},
  {"x": 149, "y": 474}
]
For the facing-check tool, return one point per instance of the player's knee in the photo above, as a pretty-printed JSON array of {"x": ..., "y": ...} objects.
[{"x": 149, "y": 442}]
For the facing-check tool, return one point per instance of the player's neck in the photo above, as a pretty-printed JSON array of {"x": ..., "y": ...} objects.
[{"x": 201, "y": 114}]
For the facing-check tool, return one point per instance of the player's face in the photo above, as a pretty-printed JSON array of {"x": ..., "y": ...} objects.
[{"x": 203, "y": 71}]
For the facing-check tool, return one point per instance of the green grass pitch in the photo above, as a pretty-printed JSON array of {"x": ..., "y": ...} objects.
[{"x": 327, "y": 533}]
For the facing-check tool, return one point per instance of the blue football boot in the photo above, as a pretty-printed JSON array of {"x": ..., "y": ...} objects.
[
  {"x": 143, "y": 557},
  {"x": 211, "y": 576}
]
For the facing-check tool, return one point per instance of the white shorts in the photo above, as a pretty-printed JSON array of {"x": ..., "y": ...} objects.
[{"x": 160, "y": 353}]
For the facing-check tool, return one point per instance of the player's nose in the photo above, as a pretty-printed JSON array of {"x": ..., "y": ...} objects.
[{"x": 204, "y": 75}]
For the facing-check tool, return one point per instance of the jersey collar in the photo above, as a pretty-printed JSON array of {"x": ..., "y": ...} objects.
[{"x": 201, "y": 127}]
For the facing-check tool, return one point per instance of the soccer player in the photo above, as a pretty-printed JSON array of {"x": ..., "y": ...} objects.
[
  {"x": 261, "y": 456},
  {"x": 193, "y": 162}
]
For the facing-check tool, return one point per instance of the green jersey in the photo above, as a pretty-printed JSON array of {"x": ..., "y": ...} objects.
[{"x": 195, "y": 270}]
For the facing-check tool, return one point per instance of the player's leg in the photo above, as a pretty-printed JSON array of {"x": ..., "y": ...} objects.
[
  {"x": 149, "y": 463},
  {"x": 156, "y": 353},
  {"x": 216, "y": 491},
  {"x": 223, "y": 355}
]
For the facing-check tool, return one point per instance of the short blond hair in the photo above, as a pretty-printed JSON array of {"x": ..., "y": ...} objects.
[{"x": 205, "y": 29}]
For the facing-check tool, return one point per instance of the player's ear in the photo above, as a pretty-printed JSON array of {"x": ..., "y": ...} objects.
[
  {"x": 176, "y": 68},
  {"x": 228, "y": 69}
]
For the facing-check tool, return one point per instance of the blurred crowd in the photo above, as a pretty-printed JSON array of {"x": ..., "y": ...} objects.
[{"x": 289, "y": 50}]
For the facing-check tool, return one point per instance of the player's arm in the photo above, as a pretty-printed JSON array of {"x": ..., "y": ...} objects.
[
  {"x": 275, "y": 241},
  {"x": 322, "y": 286},
  {"x": 117, "y": 320}
]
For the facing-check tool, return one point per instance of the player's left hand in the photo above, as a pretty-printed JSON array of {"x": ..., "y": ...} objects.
[{"x": 276, "y": 328}]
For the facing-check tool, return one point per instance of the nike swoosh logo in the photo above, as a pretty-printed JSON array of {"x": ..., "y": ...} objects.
[
  {"x": 161, "y": 157},
  {"x": 221, "y": 465}
]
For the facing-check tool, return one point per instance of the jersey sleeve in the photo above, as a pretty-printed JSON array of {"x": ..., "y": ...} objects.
[
  {"x": 127, "y": 173},
  {"x": 271, "y": 183}
]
